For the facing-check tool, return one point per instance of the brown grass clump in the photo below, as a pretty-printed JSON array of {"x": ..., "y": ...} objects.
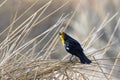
[{"x": 23, "y": 57}]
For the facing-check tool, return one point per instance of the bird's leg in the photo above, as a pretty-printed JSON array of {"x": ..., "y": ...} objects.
[{"x": 71, "y": 59}]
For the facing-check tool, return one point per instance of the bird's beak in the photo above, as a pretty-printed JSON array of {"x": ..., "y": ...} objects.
[{"x": 60, "y": 33}]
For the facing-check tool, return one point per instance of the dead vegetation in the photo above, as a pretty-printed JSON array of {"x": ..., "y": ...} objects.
[{"x": 19, "y": 59}]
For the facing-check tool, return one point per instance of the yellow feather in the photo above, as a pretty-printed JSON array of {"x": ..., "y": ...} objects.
[{"x": 62, "y": 39}]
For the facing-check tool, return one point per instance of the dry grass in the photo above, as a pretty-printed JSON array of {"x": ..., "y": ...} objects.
[{"x": 20, "y": 61}]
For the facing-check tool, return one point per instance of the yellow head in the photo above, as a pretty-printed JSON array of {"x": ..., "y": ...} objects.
[{"x": 62, "y": 34}]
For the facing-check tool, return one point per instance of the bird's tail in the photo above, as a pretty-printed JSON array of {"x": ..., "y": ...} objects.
[{"x": 83, "y": 58}]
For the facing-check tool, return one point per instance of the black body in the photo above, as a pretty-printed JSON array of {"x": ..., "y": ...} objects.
[{"x": 73, "y": 47}]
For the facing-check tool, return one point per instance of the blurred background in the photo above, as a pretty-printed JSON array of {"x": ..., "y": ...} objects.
[{"x": 90, "y": 14}]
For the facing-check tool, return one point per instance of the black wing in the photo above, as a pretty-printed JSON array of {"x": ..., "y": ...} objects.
[
  {"x": 72, "y": 46},
  {"x": 75, "y": 44}
]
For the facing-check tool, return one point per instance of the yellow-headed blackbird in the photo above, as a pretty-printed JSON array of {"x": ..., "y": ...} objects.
[{"x": 73, "y": 47}]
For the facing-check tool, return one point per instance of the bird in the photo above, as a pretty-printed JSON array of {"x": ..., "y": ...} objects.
[{"x": 73, "y": 47}]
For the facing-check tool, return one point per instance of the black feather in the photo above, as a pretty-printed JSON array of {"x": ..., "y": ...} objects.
[{"x": 73, "y": 47}]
